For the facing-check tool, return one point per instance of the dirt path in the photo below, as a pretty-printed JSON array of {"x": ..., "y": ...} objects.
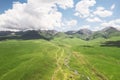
[
  {"x": 69, "y": 73},
  {"x": 59, "y": 57},
  {"x": 62, "y": 62}
]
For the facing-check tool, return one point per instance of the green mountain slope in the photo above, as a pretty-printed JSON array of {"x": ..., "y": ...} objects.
[
  {"x": 106, "y": 33},
  {"x": 84, "y": 34},
  {"x": 59, "y": 59}
]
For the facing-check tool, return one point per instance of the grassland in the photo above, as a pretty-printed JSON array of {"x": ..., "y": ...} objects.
[{"x": 59, "y": 59}]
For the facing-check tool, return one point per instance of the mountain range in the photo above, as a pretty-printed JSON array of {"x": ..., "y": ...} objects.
[{"x": 84, "y": 34}]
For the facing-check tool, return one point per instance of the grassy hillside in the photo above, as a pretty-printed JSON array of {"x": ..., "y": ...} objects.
[
  {"x": 92, "y": 61},
  {"x": 59, "y": 59},
  {"x": 27, "y": 60}
]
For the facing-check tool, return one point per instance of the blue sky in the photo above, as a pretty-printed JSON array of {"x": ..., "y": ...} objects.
[
  {"x": 7, "y": 4},
  {"x": 68, "y": 15}
]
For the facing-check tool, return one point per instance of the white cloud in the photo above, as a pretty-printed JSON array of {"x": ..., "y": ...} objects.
[
  {"x": 76, "y": 14},
  {"x": 85, "y": 27},
  {"x": 35, "y": 14},
  {"x": 102, "y": 12},
  {"x": 93, "y": 28},
  {"x": 83, "y": 8},
  {"x": 65, "y": 3},
  {"x": 114, "y": 23},
  {"x": 70, "y": 23},
  {"x": 95, "y": 19},
  {"x": 112, "y": 7}
]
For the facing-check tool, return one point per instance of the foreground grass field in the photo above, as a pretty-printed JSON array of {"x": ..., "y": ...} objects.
[{"x": 59, "y": 59}]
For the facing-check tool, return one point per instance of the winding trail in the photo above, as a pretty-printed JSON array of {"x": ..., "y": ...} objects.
[
  {"x": 58, "y": 56},
  {"x": 69, "y": 73},
  {"x": 62, "y": 63}
]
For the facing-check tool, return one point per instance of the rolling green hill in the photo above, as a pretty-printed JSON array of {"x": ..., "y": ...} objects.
[
  {"x": 84, "y": 34},
  {"x": 59, "y": 59},
  {"x": 106, "y": 33}
]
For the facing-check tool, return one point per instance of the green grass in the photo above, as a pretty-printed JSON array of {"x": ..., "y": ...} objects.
[
  {"x": 98, "y": 62},
  {"x": 27, "y": 60},
  {"x": 59, "y": 59}
]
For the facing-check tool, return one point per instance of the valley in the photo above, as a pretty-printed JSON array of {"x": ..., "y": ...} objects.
[
  {"x": 59, "y": 59},
  {"x": 59, "y": 39}
]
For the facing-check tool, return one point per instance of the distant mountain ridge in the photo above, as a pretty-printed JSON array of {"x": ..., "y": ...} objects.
[
  {"x": 84, "y": 34},
  {"x": 106, "y": 33},
  {"x": 26, "y": 35}
]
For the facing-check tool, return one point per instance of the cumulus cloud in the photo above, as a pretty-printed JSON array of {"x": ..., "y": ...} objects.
[
  {"x": 93, "y": 28},
  {"x": 69, "y": 23},
  {"x": 83, "y": 8},
  {"x": 95, "y": 19},
  {"x": 112, "y": 7},
  {"x": 85, "y": 27},
  {"x": 65, "y": 3},
  {"x": 114, "y": 23},
  {"x": 102, "y": 12},
  {"x": 35, "y": 14}
]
